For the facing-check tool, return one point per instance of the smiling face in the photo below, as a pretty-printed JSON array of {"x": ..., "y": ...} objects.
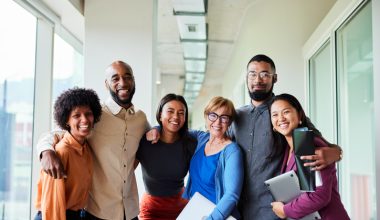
[
  {"x": 121, "y": 83},
  {"x": 81, "y": 121},
  {"x": 284, "y": 117},
  {"x": 216, "y": 127},
  {"x": 260, "y": 88},
  {"x": 173, "y": 116}
]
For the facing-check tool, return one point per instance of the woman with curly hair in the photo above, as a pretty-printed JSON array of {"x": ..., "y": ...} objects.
[{"x": 76, "y": 111}]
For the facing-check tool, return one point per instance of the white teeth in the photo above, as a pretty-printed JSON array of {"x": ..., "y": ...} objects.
[
  {"x": 83, "y": 126},
  {"x": 174, "y": 122},
  {"x": 283, "y": 125}
]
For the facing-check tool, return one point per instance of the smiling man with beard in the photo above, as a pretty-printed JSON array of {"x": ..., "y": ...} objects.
[
  {"x": 121, "y": 83},
  {"x": 252, "y": 130},
  {"x": 114, "y": 143}
]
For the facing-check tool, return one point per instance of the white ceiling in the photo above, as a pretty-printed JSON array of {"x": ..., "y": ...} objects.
[{"x": 223, "y": 18}]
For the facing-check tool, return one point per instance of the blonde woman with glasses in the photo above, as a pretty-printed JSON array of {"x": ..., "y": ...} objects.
[{"x": 216, "y": 169}]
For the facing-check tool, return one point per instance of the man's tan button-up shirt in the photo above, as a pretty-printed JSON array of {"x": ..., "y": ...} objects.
[{"x": 114, "y": 142}]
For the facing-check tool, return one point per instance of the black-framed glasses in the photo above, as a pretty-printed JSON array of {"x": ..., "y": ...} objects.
[
  {"x": 225, "y": 119},
  {"x": 263, "y": 75}
]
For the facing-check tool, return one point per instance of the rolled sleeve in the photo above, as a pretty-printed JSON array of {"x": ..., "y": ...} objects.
[{"x": 46, "y": 141}]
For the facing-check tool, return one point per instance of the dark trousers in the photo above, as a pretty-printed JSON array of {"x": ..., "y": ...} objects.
[{"x": 70, "y": 214}]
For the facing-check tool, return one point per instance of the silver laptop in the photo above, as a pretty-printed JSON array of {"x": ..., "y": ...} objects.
[
  {"x": 198, "y": 208},
  {"x": 285, "y": 188}
]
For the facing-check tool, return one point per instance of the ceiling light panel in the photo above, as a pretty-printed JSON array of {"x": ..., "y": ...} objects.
[
  {"x": 195, "y": 87},
  {"x": 194, "y": 77},
  {"x": 194, "y": 50},
  {"x": 195, "y": 65},
  {"x": 191, "y": 20},
  {"x": 192, "y": 27},
  {"x": 189, "y": 5}
]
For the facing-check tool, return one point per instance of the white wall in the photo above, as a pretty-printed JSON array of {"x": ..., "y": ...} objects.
[
  {"x": 120, "y": 30},
  {"x": 338, "y": 13},
  {"x": 278, "y": 29}
]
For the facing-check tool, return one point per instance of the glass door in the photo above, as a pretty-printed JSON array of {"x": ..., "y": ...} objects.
[
  {"x": 356, "y": 114},
  {"x": 322, "y": 85}
]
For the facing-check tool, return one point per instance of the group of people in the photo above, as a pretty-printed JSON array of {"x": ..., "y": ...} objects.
[{"x": 89, "y": 173}]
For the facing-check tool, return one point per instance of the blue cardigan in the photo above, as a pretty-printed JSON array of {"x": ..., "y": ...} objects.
[{"x": 229, "y": 176}]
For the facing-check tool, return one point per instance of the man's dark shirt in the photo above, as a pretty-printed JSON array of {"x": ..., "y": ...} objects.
[{"x": 252, "y": 130}]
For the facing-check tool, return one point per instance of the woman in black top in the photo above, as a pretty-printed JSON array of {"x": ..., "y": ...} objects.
[{"x": 166, "y": 163}]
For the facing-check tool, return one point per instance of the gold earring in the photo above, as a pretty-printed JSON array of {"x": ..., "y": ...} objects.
[{"x": 300, "y": 122}]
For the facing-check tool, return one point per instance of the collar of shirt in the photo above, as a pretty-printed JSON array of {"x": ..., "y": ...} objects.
[
  {"x": 263, "y": 106},
  {"x": 117, "y": 110},
  {"x": 74, "y": 144}
]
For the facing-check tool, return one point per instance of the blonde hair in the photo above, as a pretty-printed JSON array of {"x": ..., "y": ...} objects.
[{"x": 221, "y": 102}]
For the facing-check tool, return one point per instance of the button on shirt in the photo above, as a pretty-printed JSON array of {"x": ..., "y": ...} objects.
[
  {"x": 54, "y": 196},
  {"x": 253, "y": 132},
  {"x": 114, "y": 142}
]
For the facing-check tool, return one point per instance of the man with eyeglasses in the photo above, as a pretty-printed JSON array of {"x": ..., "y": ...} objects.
[{"x": 253, "y": 132}]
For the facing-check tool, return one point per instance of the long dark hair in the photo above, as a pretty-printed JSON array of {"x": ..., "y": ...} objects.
[
  {"x": 279, "y": 139},
  {"x": 189, "y": 143}
]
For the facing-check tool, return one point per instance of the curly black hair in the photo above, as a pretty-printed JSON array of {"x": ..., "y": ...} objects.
[{"x": 73, "y": 98}]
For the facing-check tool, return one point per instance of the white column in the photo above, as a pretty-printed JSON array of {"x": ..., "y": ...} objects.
[{"x": 120, "y": 30}]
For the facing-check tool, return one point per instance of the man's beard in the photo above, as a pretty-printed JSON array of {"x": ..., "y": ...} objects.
[
  {"x": 260, "y": 95},
  {"x": 123, "y": 102}
]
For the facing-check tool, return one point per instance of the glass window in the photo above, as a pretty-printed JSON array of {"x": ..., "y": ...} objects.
[
  {"x": 321, "y": 90},
  {"x": 67, "y": 67},
  {"x": 17, "y": 60},
  {"x": 356, "y": 114}
]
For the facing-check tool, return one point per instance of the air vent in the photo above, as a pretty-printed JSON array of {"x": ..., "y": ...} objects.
[{"x": 192, "y": 27}]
